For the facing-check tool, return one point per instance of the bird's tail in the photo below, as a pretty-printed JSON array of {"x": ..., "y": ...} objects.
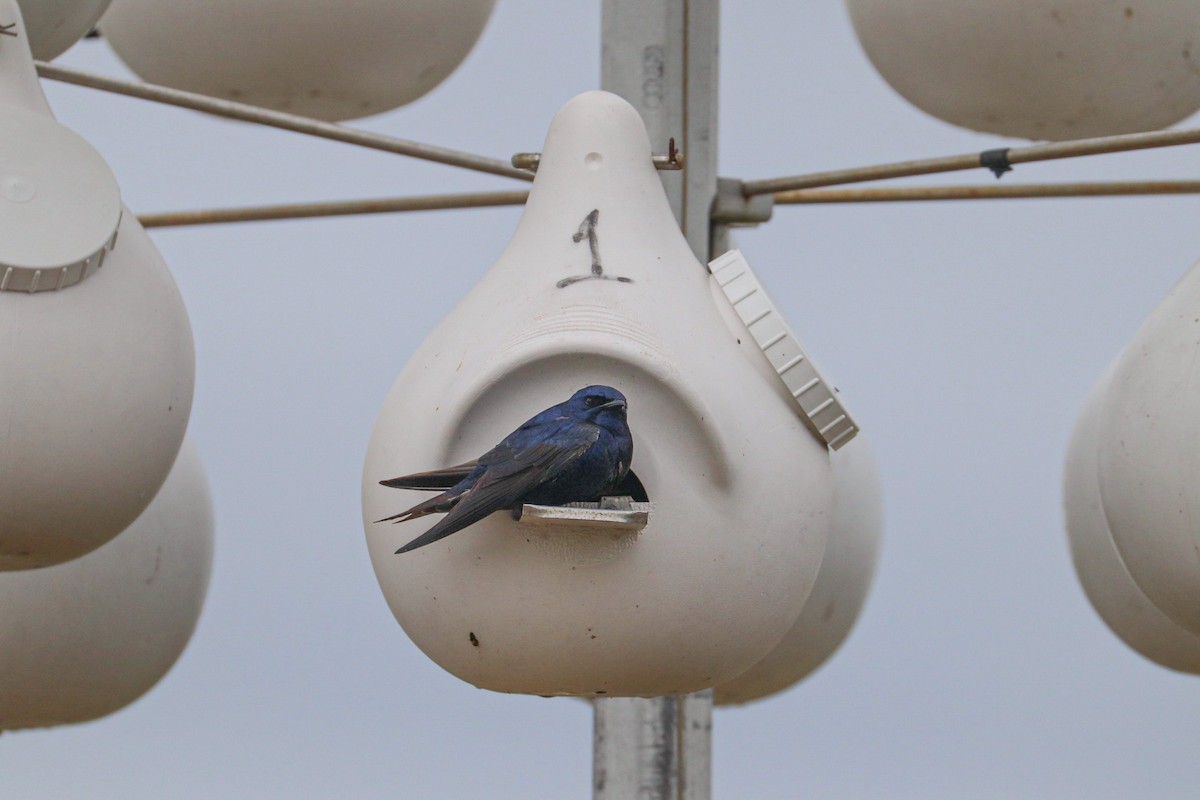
[
  {"x": 434, "y": 480},
  {"x": 434, "y": 505},
  {"x": 438, "y": 531},
  {"x": 449, "y": 481}
]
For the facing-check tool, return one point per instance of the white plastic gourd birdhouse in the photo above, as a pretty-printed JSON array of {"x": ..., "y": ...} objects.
[
  {"x": 842, "y": 584},
  {"x": 598, "y": 286},
  {"x": 332, "y": 61},
  {"x": 96, "y": 354},
  {"x": 1102, "y": 571},
  {"x": 55, "y": 25},
  {"x": 82, "y": 640},
  {"x": 1138, "y": 453},
  {"x": 1038, "y": 69}
]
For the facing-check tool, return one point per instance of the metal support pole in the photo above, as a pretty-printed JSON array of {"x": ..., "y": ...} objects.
[
  {"x": 640, "y": 745},
  {"x": 661, "y": 56}
]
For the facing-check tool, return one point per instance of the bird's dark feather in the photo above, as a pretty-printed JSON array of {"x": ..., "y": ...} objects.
[
  {"x": 433, "y": 481},
  {"x": 439, "y": 480},
  {"x": 510, "y": 475},
  {"x": 575, "y": 451}
]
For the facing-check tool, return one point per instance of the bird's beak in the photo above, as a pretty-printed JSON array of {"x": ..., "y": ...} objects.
[{"x": 614, "y": 404}]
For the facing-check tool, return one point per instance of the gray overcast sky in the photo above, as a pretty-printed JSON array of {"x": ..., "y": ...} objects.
[{"x": 965, "y": 336}]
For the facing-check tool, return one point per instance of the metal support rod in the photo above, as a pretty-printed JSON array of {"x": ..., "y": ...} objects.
[
  {"x": 1016, "y": 155},
  {"x": 661, "y": 56},
  {"x": 652, "y": 736},
  {"x": 388, "y": 205},
  {"x": 279, "y": 119},
  {"x": 1028, "y": 190},
  {"x": 333, "y": 208}
]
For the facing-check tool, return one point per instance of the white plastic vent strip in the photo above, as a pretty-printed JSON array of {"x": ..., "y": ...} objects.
[{"x": 816, "y": 399}]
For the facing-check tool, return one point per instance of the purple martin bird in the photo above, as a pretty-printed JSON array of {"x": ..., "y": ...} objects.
[{"x": 578, "y": 450}]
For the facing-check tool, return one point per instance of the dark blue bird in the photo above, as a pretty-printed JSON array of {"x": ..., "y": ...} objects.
[{"x": 575, "y": 451}]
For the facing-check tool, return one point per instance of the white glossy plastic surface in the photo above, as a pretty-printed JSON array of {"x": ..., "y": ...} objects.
[
  {"x": 1148, "y": 454},
  {"x": 1106, "y": 581},
  {"x": 95, "y": 391},
  {"x": 741, "y": 488},
  {"x": 332, "y": 61},
  {"x": 55, "y": 25},
  {"x": 19, "y": 86},
  {"x": 842, "y": 584},
  {"x": 59, "y": 204},
  {"x": 96, "y": 378},
  {"x": 1039, "y": 69},
  {"x": 59, "y": 201},
  {"x": 84, "y": 639}
]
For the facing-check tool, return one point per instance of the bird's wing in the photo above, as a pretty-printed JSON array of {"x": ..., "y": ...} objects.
[
  {"x": 436, "y": 480},
  {"x": 466, "y": 475},
  {"x": 507, "y": 480},
  {"x": 434, "y": 505}
]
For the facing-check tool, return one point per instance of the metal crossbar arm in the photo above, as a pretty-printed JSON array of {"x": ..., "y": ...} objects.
[
  {"x": 518, "y": 197},
  {"x": 998, "y": 161},
  {"x": 334, "y": 209},
  {"x": 279, "y": 119},
  {"x": 1029, "y": 190}
]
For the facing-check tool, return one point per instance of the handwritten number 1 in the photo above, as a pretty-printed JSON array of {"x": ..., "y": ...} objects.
[{"x": 587, "y": 230}]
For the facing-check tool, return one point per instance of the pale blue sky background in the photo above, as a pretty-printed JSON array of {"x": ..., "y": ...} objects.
[{"x": 965, "y": 336}]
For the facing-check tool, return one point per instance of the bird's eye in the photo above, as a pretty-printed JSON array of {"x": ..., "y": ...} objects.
[{"x": 593, "y": 400}]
